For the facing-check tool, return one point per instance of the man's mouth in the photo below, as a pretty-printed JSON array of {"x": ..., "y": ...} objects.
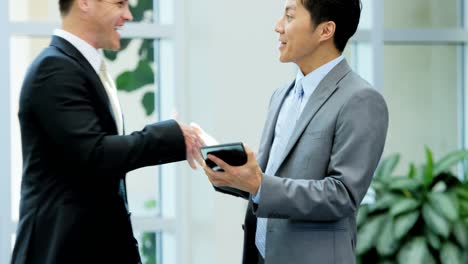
[{"x": 282, "y": 44}]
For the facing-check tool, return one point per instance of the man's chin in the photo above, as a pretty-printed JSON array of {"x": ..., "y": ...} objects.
[
  {"x": 114, "y": 47},
  {"x": 283, "y": 59}
]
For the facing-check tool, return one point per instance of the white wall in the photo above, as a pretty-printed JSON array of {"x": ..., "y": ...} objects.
[{"x": 232, "y": 69}]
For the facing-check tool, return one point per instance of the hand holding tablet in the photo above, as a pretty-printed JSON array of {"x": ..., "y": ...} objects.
[{"x": 233, "y": 154}]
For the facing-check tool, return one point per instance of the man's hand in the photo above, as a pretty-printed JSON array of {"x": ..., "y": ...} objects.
[
  {"x": 207, "y": 138},
  {"x": 193, "y": 142},
  {"x": 246, "y": 178}
]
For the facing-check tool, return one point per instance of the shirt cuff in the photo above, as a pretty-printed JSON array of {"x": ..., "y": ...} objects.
[{"x": 256, "y": 198}]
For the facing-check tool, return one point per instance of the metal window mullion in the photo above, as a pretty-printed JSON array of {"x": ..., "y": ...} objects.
[
  {"x": 377, "y": 40},
  {"x": 463, "y": 86},
  {"x": 183, "y": 234},
  {"x": 153, "y": 224},
  {"x": 6, "y": 226},
  {"x": 130, "y": 30}
]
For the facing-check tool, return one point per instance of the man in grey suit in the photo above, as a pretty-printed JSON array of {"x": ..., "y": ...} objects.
[{"x": 323, "y": 138}]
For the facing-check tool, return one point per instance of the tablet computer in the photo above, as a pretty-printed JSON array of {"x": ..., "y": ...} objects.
[{"x": 232, "y": 153}]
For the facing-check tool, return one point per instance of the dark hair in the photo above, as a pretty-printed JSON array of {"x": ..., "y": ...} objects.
[
  {"x": 345, "y": 14},
  {"x": 65, "y": 6}
]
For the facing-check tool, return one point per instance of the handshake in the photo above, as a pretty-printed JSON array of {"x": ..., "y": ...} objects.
[
  {"x": 195, "y": 138},
  {"x": 247, "y": 177}
]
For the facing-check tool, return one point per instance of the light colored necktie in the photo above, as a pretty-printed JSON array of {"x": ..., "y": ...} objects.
[
  {"x": 277, "y": 153},
  {"x": 111, "y": 91}
]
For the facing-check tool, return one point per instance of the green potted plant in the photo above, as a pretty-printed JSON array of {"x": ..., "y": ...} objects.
[{"x": 421, "y": 217}]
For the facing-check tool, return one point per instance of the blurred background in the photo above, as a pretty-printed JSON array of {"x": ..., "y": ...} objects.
[{"x": 216, "y": 63}]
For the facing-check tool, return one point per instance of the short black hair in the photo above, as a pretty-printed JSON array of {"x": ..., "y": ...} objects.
[
  {"x": 345, "y": 14},
  {"x": 65, "y": 6}
]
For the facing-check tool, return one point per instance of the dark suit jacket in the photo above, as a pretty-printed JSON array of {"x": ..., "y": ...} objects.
[
  {"x": 73, "y": 204},
  {"x": 312, "y": 199}
]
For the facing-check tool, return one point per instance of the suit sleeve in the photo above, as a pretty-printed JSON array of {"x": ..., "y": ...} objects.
[
  {"x": 359, "y": 139},
  {"x": 66, "y": 112}
]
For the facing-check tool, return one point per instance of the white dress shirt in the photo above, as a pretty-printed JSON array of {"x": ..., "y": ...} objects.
[{"x": 94, "y": 57}]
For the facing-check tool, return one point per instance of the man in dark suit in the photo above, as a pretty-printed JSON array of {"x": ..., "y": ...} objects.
[
  {"x": 321, "y": 143},
  {"x": 75, "y": 152}
]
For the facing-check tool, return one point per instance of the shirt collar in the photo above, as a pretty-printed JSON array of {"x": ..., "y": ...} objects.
[
  {"x": 312, "y": 80},
  {"x": 91, "y": 54}
]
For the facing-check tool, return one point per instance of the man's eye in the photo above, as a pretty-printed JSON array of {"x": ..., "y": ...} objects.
[{"x": 288, "y": 17}]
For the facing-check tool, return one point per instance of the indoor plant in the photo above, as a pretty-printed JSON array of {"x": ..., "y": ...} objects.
[{"x": 421, "y": 217}]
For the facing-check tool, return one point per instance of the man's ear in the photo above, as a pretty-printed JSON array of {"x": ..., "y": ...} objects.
[
  {"x": 327, "y": 30},
  {"x": 83, "y": 5}
]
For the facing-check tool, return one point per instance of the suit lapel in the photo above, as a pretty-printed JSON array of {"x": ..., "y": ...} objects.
[
  {"x": 270, "y": 124},
  {"x": 319, "y": 97},
  {"x": 71, "y": 51}
]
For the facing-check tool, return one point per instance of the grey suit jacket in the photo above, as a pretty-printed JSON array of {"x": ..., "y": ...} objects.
[{"x": 312, "y": 199}]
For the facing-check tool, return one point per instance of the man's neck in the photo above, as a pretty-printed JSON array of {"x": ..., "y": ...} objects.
[
  {"x": 78, "y": 28},
  {"x": 321, "y": 58}
]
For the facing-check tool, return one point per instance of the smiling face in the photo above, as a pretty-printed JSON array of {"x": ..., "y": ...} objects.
[
  {"x": 301, "y": 41},
  {"x": 297, "y": 36},
  {"x": 107, "y": 17}
]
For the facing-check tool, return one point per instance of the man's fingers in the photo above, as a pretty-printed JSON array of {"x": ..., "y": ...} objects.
[
  {"x": 191, "y": 162},
  {"x": 250, "y": 153},
  {"x": 218, "y": 178},
  {"x": 199, "y": 158},
  {"x": 219, "y": 162}
]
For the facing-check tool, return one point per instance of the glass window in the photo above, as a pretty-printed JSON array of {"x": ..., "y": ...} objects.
[
  {"x": 422, "y": 13},
  {"x": 359, "y": 57},
  {"x": 48, "y": 10},
  {"x": 33, "y": 10},
  {"x": 365, "y": 21},
  {"x": 420, "y": 86},
  {"x": 136, "y": 75},
  {"x": 150, "y": 247}
]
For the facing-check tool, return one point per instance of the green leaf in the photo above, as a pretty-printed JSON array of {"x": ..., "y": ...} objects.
[
  {"x": 403, "y": 206},
  {"x": 444, "y": 205},
  {"x": 112, "y": 55},
  {"x": 403, "y": 183},
  {"x": 412, "y": 171},
  {"x": 461, "y": 233},
  {"x": 415, "y": 251},
  {"x": 435, "y": 222},
  {"x": 386, "y": 243},
  {"x": 450, "y": 254},
  {"x": 429, "y": 169},
  {"x": 387, "y": 166},
  {"x": 150, "y": 204},
  {"x": 362, "y": 215},
  {"x": 439, "y": 187},
  {"x": 448, "y": 161},
  {"x": 378, "y": 186},
  {"x": 146, "y": 50},
  {"x": 141, "y": 76},
  {"x": 385, "y": 262},
  {"x": 138, "y": 11},
  {"x": 148, "y": 103},
  {"x": 462, "y": 193},
  {"x": 463, "y": 207},
  {"x": 384, "y": 202},
  {"x": 433, "y": 239},
  {"x": 144, "y": 72},
  {"x": 368, "y": 234},
  {"x": 404, "y": 223}
]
